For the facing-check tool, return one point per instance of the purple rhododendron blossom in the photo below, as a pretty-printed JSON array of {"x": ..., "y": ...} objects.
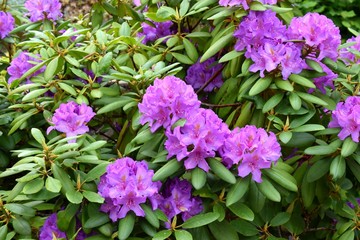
[
  {"x": 7, "y": 23},
  {"x": 152, "y": 33},
  {"x": 50, "y": 229},
  {"x": 347, "y": 116},
  {"x": 347, "y": 55},
  {"x": 167, "y": 101},
  {"x": 199, "y": 73},
  {"x": 320, "y": 34},
  {"x": 201, "y": 136},
  {"x": 125, "y": 185},
  {"x": 71, "y": 119},
  {"x": 43, "y": 9},
  {"x": 243, "y": 3},
  {"x": 176, "y": 198},
  {"x": 252, "y": 149},
  {"x": 20, "y": 65}
]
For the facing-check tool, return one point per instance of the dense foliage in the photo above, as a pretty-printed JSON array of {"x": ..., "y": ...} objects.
[{"x": 178, "y": 119}]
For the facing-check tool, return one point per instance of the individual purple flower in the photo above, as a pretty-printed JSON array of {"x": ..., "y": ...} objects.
[
  {"x": 166, "y": 102},
  {"x": 7, "y": 23},
  {"x": 251, "y": 149},
  {"x": 21, "y": 64},
  {"x": 43, "y": 9},
  {"x": 199, "y": 73},
  {"x": 201, "y": 136},
  {"x": 320, "y": 35},
  {"x": 152, "y": 33},
  {"x": 50, "y": 229},
  {"x": 325, "y": 81},
  {"x": 351, "y": 54},
  {"x": 350, "y": 204},
  {"x": 256, "y": 29},
  {"x": 291, "y": 61},
  {"x": 125, "y": 185},
  {"x": 71, "y": 119},
  {"x": 177, "y": 199},
  {"x": 347, "y": 116}
]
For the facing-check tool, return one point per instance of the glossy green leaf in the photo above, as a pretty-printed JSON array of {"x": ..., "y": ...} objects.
[
  {"x": 34, "y": 94},
  {"x": 295, "y": 101},
  {"x": 52, "y": 184},
  {"x": 198, "y": 178},
  {"x": 164, "y": 234},
  {"x": 223, "y": 230},
  {"x": 302, "y": 81},
  {"x": 269, "y": 190},
  {"x": 320, "y": 150},
  {"x": 93, "y": 197},
  {"x": 237, "y": 191},
  {"x": 285, "y": 136},
  {"x": 338, "y": 167},
  {"x": 167, "y": 170},
  {"x": 183, "y": 235},
  {"x": 150, "y": 216},
  {"x": 21, "y": 226},
  {"x": 33, "y": 186},
  {"x": 37, "y": 134},
  {"x": 319, "y": 169},
  {"x": 200, "y": 220},
  {"x": 221, "y": 171},
  {"x": 74, "y": 197},
  {"x": 20, "y": 209},
  {"x": 348, "y": 147},
  {"x": 216, "y": 47},
  {"x": 261, "y": 85},
  {"x": 282, "y": 178},
  {"x": 280, "y": 219},
  {"x": 272, "y": 102},
  {"x": 242, "y": 211}
]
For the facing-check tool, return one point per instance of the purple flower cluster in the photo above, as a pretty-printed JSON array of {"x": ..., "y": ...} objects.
[
  {"x": 176, "y": 198},
  {"x": 275, "y": 48},
  {"x": 166, "y": 102},
  {"x": 50, "y": 229},
  {"x": 20, "y": 65},
  {"x": 7, "y": 23},
  {"x": 152, "y": 33},
  {"x": 201, "y": 136},
  {"x": 243, "y": 3},
  {"x": 199, "y": 73},
  {"x": 347, "y": 116},
  {"x": 325, "y": 81},
  {"x": 43, "y": 9},
  {"x": 125, "y": 185},
  {"x": 348, "y": 55},
  {"x": 251, "y": 149},
  {"x": 71, "y": 119}
]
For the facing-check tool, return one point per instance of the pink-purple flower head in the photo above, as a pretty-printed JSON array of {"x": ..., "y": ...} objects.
[
  {"x": 71, "y": 119},
  {"x": 152, "y": 33},
  {"x": 201, "y": 136},
  {"x": 348, "y": 55},
  {"x": 176, "y": 198},
  {"x": 167, "y": 101},
  {"x": 251, "y": 149},
  {"x": 347, "y": 116},
  {"x": 125, "y": 185},
  {"x": 43, "y": 9},
  {"x": 7, "y": 23},
  {"x": 199, "y": 73},
  {"x": 243, "y": 3},
  {"x": 320, "y": 34},
  {"x": 21, "y": 64},
  {"x": 50, "y": 229}
]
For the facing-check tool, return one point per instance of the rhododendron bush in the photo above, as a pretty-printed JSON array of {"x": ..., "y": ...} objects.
[{"x": 178, "y": 119}]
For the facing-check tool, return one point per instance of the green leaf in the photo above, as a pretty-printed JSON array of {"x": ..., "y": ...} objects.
[
  {"x": 285, "y": 136},
  {"x": 33, "y": 186},
  {"x": 20, "y": 209},
  {"x": 319, "y": 169},
  {"x": 21, "y": 226},
  {"x": 126, "y": 226},
  {"x": 217, "y": 46},
  {"x": 280, "y": 219},
  {"x": 167, "y": 170},
  {"x": 242, "y": 211},
  {"x": 237, "y": 191},
  {"x": 307, "y": 191},
  {"x": 150, "y": 216},
  {"x": 200, "y": 220},
  {"x": 338, "y": 167},
  {"x": 261, "y": 85},
  {"x": 165, "y": 12},
  {"x": 114, "y": 105},
  {"x": 272, "y": 102},
  {"x": 314, "y": 65},
  {"x": 67, "y": 88},
  {"x": 93, "y": 146},
  {"x": 348, "y": 235},
  {"x": 198, "y": 178},
  {"x": 284, "y": 85},
  {"x": 164, "y": 234},
  {"x": 302, "y": 81},
  {"x": 245, "y": 228},
  {"x": 309, "y": 128},
  {"x": 320, "y": 150},
  {"x": 183, "y": 235},
  {"x": 312, "y": 98},
  {"x": 34, "y": 94},
  {"x": 37, "y": 134},
  {"x": 221, "y": 171},
  {"x": 51, "y": 68},
  {"x": 223, "y": 230},
  {"x": 269, "y": 190},
  {"x": 282, "y": 178},
  {"x": 93, "y": 197},
  {"x": 230, "y": 55},
  {"x": 139, "y": 59},
  {"x": 104, "y": 64},
  {"x": 190, "y": 49},
  {"x": 52, "y": 184},
  {"x": 278, "y": 9},
  {"x": 74, "y": 197},
  {"x": 348, "y": 147},
  {"x": 183, "y": 58},
  {"x": 295, "y": 101},
  {"x": 97, "y": 219},
  {"x": 3, "y": 231}
]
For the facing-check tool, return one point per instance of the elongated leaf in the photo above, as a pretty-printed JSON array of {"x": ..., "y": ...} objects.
[
  {"x": 348, "y": 147},
  {"x": 52, "y": 184},
  {"x": 269, "y": 190},
  {"x": 282, "y": 178},
  {"x": 126, "y": 225},
  {"x": 221, "y": 171},
  {"x": 200, "y": 220},
  {"x": 183, "y": 235},
  {"x": 261, "y": 85},
  {"x": 338, "y": 167},
  {"x": 242, "y": 211},
  {"x": 302, "y": 81},
  {"x": 34, "y": 94},
  {"x": 280, "y": 219},
  {"x": 167, "y": 170},
  {"x": 217, "y": 46},
  {"x": 164, "y": 234},
  {"x": 237, "y": 191},
  {"x": 319, "y": 169},
  {"x": 223, "y": 230},
  {"x": 272, "y": 102},
  {"x": 198, "y": 178}
]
